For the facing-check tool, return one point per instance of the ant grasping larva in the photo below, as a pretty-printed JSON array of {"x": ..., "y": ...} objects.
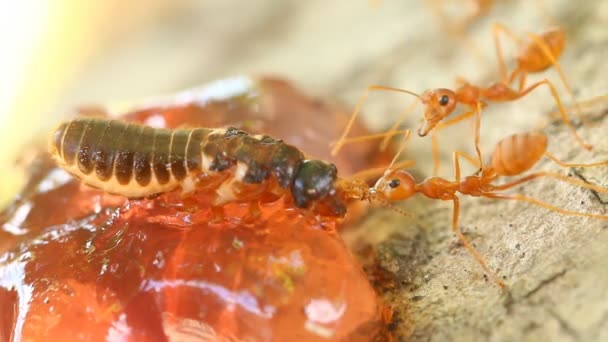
[
  {"x": 512, "y": 156},
  {"x": 537, "y": 56},
  {"x": 135, "y": 161}
]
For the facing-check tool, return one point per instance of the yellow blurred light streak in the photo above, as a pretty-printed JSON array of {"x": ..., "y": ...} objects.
[
  {"x": 45, "y": 44},
  {"x": 43, "y": 48}
]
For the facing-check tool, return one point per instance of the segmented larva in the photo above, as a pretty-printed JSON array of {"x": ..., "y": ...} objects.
[{"x": 137, "y": 161}]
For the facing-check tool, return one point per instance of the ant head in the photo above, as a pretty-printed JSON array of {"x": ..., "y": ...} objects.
[
  {"x": 438, "y": 103},
  {"x": 395, "y": 185}
]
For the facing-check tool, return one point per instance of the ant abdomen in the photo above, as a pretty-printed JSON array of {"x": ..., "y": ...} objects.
[
  {"x": 532, "y": 57},
  {"x": 517, "y": 153}
]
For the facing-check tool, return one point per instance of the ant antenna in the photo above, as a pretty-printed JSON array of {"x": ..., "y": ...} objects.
[
  {"x": 402, "y": 146},
  {"x": 386, "y": 136},
  {"x": 393, "y": 130},
  {"x": 350, "y": 123},
  {"x": 387, "y": 205},
  {"x": 379, "y": 171}
]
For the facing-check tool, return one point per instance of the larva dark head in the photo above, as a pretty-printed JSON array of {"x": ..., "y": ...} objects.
[
  {"x": 314, "y": 182},
  {"x": 395, "y": 185}
]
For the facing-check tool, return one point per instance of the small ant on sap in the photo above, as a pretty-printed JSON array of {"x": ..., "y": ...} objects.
[
  {"x": 512, "y": 156},
  {"x": 537, "y": 56}
]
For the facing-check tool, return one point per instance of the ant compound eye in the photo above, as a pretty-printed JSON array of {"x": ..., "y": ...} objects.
[
  {"x": 444, "y": 100},
  {"x": 396, "y": 185}
]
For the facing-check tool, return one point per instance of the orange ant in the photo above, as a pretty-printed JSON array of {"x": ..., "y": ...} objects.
[
  {"x": 479, "y": 8},
  {"x": 536, "y": 56},
  {"x": 512, "y": 156}
]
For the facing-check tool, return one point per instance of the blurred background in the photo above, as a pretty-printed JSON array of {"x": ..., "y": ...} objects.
[{"x": 57, "y": 56}]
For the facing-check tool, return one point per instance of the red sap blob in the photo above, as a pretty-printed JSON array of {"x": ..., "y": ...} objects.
[
  {"x": 144, "y": 270},
  {"x": 79, "y": 264}
]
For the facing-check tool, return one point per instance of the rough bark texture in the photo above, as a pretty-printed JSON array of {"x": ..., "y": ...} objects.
[{"x": 555, "y": 264}]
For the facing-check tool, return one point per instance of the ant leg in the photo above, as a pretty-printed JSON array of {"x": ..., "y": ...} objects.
[
  {"x": 496, "y": 30},
  {"x": 539, "y": 203},
  {"x": 435, "y": 151},
  {"x": 564, "y": 164},
  {"x": 456, "y": 160},
  {"x": 585, "y": 104},
  {"x": 435, "y": 142},
  {"x": 522, "y": 82},
  {"x": 351, "y": 121},
  {"x": 554, "y": 175},
  {"x": 560, "y": 106},
  {"x": 477, "y": 128},
  {"x": 480, "y": 259},
  {"x": 455, "y": 215},
  {"x": 547, "y": 52}
]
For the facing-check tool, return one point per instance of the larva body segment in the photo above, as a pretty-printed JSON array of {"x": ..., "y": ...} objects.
[
  {"x": 137, "y": 161},
  {"x": 177, "y": 153},
  {"x": 121, "y": 158},
  {"x": 124, "y": 157}
]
